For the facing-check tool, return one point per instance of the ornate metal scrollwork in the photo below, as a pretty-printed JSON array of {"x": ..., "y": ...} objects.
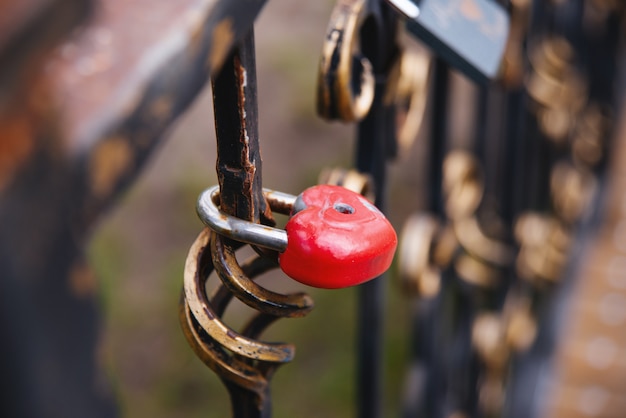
[{"x": 345, "y": 88}]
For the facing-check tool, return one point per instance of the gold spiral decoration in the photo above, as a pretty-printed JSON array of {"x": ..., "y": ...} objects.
[{"x": 237, "y": 357}]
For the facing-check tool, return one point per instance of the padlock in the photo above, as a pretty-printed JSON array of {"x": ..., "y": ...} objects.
[
  {"x": 469, "y": 34},
  {"x": 334, "y": 237}
]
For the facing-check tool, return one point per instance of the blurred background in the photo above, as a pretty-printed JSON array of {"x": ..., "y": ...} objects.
[
  {"x": 78, "y": 118},
  {"x": 139, "y": 248}
]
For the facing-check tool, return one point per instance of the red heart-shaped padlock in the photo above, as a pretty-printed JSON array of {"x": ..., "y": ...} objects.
[{"x": 336, "y": 238}]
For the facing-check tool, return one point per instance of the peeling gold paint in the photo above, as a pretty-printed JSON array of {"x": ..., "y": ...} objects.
[
  {"x": 336, "y": 76},
  {"x": 161, "y": 108},
  {"x": 471, "y": 10},
  {"x": 196, "y": 23},
  {"x": 109, "y": 162},
  {"x": 221, "y": 41},
  {"x": 29, "y": 116},
  {"x": 16, "y": 145},
  {"x": 82, "y": 280}
]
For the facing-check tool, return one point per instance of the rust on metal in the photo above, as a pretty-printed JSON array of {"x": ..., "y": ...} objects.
[
  {"x": 196, "y": 275},
  {"x": 16, "y": 146},
  {"x": 339, "y": 95},
  {"x": 23, "y": 127},
  {"x": 239, "y": 163},
  {"x": 223, "y": 36},
  {"x": 103, "y": 74},
  {"x": 250, "y": 293},
  {"x": 244, "y": 363},
  {"x": 161, "y": 107},
  {"x": 29, "y": 30},
  {"x": 82, "y": 280},
  {"x": 126, "y": 74},
  {"x": 80, "y": 111},
  {"x": 216, "y": 358},
  {"x": 108, "y": 164}
]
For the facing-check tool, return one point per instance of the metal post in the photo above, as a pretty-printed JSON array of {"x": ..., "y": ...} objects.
[
  {"x": 239, "y": 174},
  {"x": 372, "y": 151}
]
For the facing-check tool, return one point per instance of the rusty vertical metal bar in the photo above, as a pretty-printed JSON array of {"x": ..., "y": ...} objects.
[
  {"x": 239, "y": 174},
  {"x": 236, "y": 125}
]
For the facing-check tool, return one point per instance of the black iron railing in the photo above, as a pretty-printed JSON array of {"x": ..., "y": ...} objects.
[{"x": 515, "y": 266}]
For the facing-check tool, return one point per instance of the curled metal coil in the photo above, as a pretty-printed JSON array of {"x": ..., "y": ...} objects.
[
  {"x": 350, "y": 179},
  {"x": 346, "y": 79},
  {"x": 407, "y": 89},
  {"x": 419, "y": 275},
  {"x": 544, "y": 244},
  {"x": 237, "y": 357},
  {"x": 557, "y": 89},
  {"x": 428, "y": 246}
]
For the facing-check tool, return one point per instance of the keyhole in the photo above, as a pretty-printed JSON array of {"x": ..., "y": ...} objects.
[{"x": 344, "y": 208}]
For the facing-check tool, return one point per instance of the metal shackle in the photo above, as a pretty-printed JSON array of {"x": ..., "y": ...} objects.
[{"x": 241, "y": 230}]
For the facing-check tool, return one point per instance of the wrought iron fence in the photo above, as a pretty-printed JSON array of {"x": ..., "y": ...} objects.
[{"x": 514, "y": 266}]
